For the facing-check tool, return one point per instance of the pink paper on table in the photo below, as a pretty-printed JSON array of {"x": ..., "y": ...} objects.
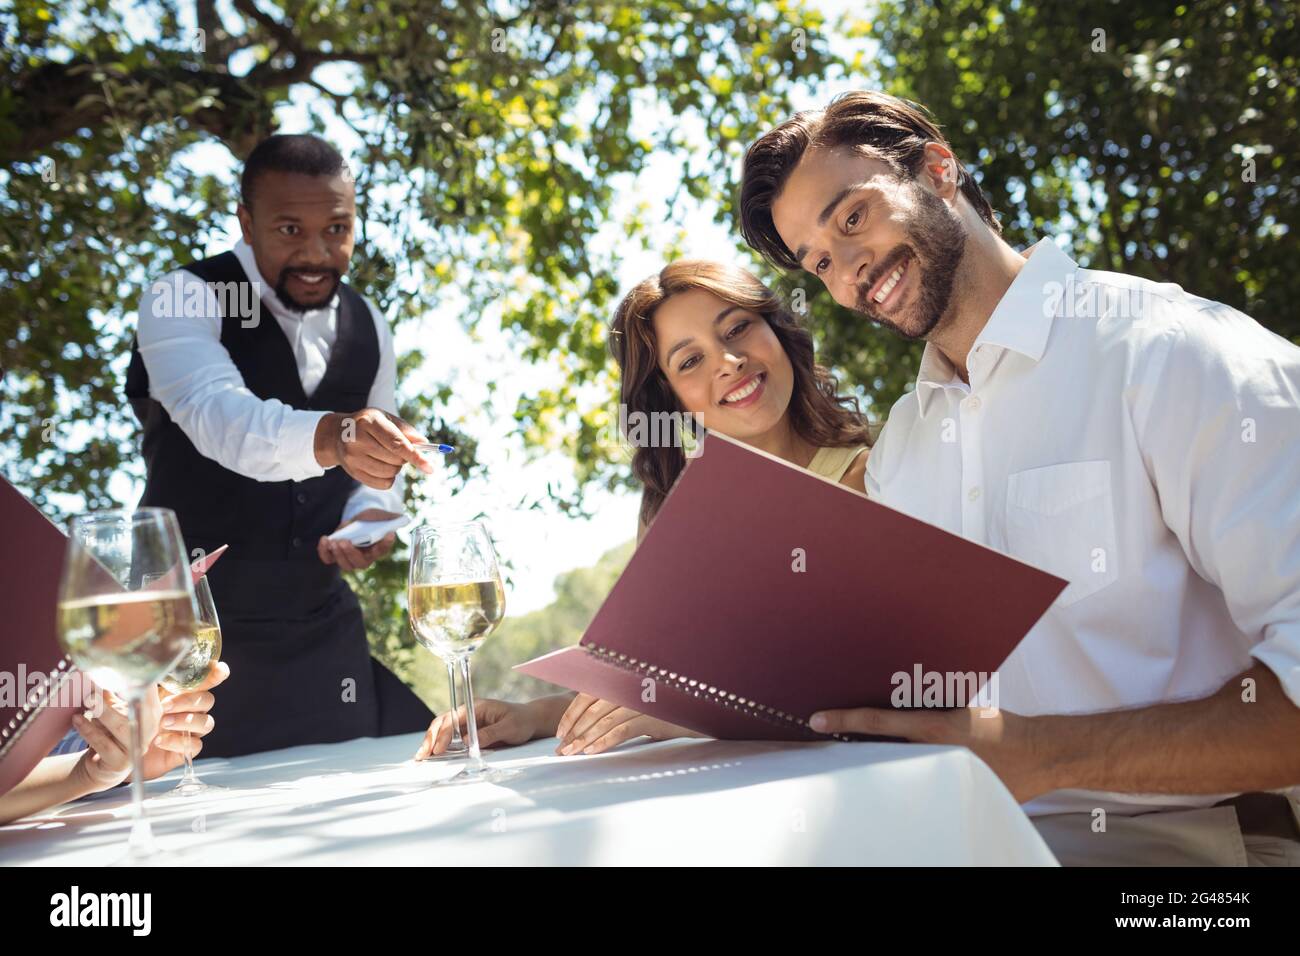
[{"x": 762, "y": 593}]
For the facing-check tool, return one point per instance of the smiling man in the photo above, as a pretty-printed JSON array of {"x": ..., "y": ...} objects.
[
  {"x": 265, "y": 387},
  {"x": 1132, "y": 438}
]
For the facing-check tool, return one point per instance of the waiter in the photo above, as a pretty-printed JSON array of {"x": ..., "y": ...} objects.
[{"x": 266, "y": 392}]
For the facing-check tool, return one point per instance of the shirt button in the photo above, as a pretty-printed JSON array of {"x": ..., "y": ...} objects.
[
  {"x": 302, "y": 498},
  {"x": 974, "y": 494},
  {"x": 297, "y": 542},
  {"x": 974, "y": 403}
]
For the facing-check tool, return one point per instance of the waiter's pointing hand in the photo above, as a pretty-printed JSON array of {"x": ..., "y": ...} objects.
[{"x": 371, "y": 445}]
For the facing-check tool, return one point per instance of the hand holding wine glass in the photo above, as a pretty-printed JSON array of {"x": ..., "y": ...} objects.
[
  {"x": 456, "y": 600},
  {"x": 498, "y": 722},
  {"x": 185, "y": 722},
  {"x": 189, "y": 676},
  {"x": 126, "y": 615},
  {"x": 106, "y": 762},
  {"x": 105, "y": 726}
]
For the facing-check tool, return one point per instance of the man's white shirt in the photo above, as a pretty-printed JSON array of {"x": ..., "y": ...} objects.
[
  {"x": 193, "y": 377},
  {"x": 1143, "y": 444}
]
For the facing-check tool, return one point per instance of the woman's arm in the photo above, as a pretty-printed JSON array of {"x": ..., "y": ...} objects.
[
  {"x": 549, "y": 710},
  {"x": 856, "y": 475},
  {"x": 498, "y": 721},
  {"x": 106, "y": 760},
  {"x": 55, "y": 780}
]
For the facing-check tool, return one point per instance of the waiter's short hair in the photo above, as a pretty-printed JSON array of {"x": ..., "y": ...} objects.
[{"x": 289, "y": 153}]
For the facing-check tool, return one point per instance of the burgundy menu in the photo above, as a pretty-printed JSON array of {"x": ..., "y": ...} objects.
[{"x": 762, "y": 593}]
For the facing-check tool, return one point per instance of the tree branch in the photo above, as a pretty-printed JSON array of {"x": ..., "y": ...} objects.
[
  {"x": 219, "y": 44},
  {"x": 43, "y": 117},
  {"x": 52, "y": 102},
  {"x": 282, "y": 32}
]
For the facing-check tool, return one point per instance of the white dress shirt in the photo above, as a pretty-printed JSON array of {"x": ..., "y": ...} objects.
[
  {"x": 1143, "y": 444},
  {"x": 193, "y": 377}
]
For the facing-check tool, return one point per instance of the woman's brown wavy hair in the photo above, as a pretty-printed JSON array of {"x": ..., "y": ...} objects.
[{"x": 818, "y": 414}]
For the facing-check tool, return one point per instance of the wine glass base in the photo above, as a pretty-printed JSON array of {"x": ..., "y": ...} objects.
[
  {"x": 485, "y": 775},
  {"x": 196, "y": 789},
  {"x": 446, "y": 755},
  {"x": 143, "y": 851}
]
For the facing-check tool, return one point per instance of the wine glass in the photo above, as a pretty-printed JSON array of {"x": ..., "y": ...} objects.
[
  {"x": 456, "y": 600},
  {"x": 190, "y": 671},
  {"x": 433, "y": 452},
  {"x": 126, "y": 615}
]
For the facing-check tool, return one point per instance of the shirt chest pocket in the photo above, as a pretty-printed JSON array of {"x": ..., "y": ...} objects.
[{"x": 1061, "y": 518}]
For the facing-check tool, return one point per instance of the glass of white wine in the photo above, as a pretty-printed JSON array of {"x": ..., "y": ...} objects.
[
  {"x": 126, "y": 616},
  {"x": 433, "y": 451},
  {"x": 456, "y": 600},
  {"x": 190, "y": 671}
]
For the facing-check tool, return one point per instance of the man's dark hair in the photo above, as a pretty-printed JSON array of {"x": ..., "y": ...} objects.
[
  {"x": 289, "y": 153},
  {"x": 879, "y": 125}
]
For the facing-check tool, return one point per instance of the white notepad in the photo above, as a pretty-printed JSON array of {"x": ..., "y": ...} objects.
[{"x": 365, "y": 533}]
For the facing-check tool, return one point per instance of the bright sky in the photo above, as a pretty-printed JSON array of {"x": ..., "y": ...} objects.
[{"x": 539, "y": 543}]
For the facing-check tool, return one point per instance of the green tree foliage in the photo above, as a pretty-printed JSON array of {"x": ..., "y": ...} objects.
[
  {"x": 1156, "y": 136},
  {"x": 494, "y": 137}
]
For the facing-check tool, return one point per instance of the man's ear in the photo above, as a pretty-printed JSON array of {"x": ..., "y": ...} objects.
[
  {"x": 939, "y": 172},
  {"x": 245, "y": 222}
]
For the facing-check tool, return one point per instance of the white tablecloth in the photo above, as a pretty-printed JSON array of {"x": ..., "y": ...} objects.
[{"x": 682, "y": 801}]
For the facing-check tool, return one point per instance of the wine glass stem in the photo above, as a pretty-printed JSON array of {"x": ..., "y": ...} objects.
[
  {"x": 457, "y": 742},
  {"x": 189, "y": 777},
  {"x": 476, "y": 763},
  {"x": 141, "y": 843}
]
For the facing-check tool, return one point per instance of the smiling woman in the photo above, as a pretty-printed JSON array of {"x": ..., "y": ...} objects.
[
  {"x": 709, "y": 343},
  {"x": 713, "y": 341}
]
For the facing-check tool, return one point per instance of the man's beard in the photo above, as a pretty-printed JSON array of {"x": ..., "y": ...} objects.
[
  {"x": 937, "y": 243},
  {"x": 292, "y": 304}
]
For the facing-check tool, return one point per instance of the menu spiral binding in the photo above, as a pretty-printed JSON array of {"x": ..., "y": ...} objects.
[
  {"x": 47, "y": 690},
  {"x": 697, "y": 688}
]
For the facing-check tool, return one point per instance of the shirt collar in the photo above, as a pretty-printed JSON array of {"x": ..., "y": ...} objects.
[
  {"x": 244, "y": 253},
  {"x": 1021, "y": 321}
]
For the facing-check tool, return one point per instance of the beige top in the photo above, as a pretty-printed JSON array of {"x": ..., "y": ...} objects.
[{"x": 832, "y": 463}]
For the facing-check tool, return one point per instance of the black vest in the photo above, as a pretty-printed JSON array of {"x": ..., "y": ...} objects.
[{"x": 260, "y": 520}]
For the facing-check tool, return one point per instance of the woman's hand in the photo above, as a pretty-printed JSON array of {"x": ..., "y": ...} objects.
[
  {"x": 107, "y": 762},
  {"x": 499, "y": 722},
  {"x": 186, "y": 711},
  {"x": 592, "y": 726}
]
